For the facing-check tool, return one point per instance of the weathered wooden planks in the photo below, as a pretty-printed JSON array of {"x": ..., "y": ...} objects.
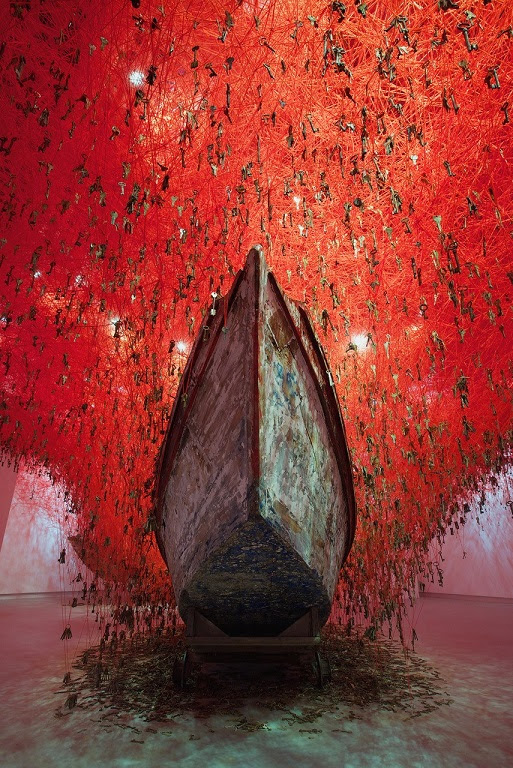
[{"x": 255, "y": 502}]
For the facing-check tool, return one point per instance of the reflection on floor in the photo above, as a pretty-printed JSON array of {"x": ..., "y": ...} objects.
[{"x": 468, "y": 641}]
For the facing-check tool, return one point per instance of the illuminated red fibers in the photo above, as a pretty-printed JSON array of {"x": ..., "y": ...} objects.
[{"x": 145, "y": 147}]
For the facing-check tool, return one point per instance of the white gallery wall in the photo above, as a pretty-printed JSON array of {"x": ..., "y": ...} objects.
[
  {"x": 478, "y": 557},
  {"x": 7, "y": 483},
  {"x": 33, "y": 538}
]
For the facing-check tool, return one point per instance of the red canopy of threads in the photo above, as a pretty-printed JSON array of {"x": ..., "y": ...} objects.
[{"x": 145, "y": 147}]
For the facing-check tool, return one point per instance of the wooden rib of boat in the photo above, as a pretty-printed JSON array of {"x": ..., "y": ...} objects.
[{"x": 255, "y": 504}]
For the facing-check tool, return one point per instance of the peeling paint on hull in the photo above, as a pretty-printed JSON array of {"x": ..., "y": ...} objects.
[{"x": 255, "y": 504}]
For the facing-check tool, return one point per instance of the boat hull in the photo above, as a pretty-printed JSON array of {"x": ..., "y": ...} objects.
[{"x": 255, "y": 505}]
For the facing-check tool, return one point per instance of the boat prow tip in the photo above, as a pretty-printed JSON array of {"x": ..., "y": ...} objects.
[{"x": 256, "y": 255}]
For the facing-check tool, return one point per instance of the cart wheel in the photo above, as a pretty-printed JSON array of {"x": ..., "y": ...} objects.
[
  {"x": 323, "y": 669},
  {"x": 180, "y": 670}
]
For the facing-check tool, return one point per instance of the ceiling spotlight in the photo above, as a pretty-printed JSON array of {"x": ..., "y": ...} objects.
[
  {"x": 358, "y": 342},
  {"x": 136, "y": 77},
  {"x": 115, "y": 326},
  {"x": 181, "y": 346}
]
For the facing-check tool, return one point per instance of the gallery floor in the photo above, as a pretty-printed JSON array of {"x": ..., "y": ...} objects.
[{"x": 467, "y": 641}]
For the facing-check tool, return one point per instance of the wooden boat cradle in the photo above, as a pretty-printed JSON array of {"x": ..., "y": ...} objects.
[
  {"x": 257, "y": 555},
  {"x": 207, "y": 643}
]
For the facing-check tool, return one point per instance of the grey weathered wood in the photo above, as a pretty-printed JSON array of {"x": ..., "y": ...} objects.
[{"x": 255, "y": 502}]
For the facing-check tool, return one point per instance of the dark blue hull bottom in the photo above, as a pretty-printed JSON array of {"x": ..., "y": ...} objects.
[{"x": 255, "y": 584}]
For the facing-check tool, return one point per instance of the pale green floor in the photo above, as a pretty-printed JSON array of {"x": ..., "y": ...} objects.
[{"x": 470, "y": 642}]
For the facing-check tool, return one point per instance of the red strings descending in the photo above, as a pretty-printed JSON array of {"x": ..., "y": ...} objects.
[{"x": 367, "y": 146}]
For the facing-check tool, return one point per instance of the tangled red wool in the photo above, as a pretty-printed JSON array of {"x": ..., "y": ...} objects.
[{"x": 145, "y": 148}]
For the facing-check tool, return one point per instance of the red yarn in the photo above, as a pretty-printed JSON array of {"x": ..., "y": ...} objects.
[{"x": 366, "y": 146}]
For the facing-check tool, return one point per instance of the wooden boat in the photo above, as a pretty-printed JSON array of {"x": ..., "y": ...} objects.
[{"x": 254, "y": 504}]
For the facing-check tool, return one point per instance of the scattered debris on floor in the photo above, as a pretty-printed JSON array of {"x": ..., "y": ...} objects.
[{"x": 133, "y": 678}]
